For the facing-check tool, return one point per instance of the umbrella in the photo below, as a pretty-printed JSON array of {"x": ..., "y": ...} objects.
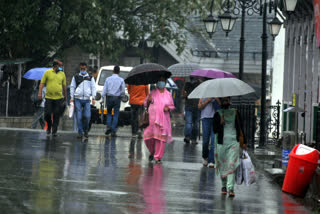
[
  {"x": 35, "y": 73},
  {"x": 148, "y": 73},
  {"x": 211, "y": 73},
  {"x": 223, "y": 87},
  {"x": 183, "y": 69},
  {"x": 171, "y": 84}
]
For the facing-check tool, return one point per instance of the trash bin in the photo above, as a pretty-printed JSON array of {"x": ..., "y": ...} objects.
[
  {"x": 288, "y": 143},
  {"x": 303, "y": 162}
]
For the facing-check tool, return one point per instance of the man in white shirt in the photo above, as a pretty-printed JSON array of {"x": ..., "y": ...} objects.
[
  {"x": 113, "y": 89},
  {"x": 81, "y": 89}
]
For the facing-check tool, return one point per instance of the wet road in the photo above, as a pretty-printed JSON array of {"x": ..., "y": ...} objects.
[{"x": 113, "y": 175}]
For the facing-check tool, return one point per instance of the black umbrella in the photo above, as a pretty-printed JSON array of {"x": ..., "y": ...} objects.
[{"x": 148, "y": 73}]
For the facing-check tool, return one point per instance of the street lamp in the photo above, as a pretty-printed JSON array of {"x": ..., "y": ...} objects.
[
  {"x": 210, "y": 22},
  {"x": 211, "y": 25},
  {"x": 275, "y": 26},
  {"x": 227, "y": 21},
  {"x": 150, "y": 43},
  {"x": 289, "y": 5},
  {"x": 257, "y": 7}
]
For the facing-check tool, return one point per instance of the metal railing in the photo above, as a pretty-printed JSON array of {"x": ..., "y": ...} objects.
[
  {"x": 19, "y": 102},
  {"x": 250, "y": 115}
]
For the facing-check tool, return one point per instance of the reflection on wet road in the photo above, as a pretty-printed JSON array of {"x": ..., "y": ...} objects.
[{"x": 113, "y": 175}]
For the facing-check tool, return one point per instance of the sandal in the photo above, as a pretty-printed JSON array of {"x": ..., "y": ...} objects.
[
  {"x": 158, "y": 162},
  {"x": 224, "y": 190},
  {"x": 231, "y": 193}
]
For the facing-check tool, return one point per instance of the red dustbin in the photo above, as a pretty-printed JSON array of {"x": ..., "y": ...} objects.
[{"x": 303, "y": 162}]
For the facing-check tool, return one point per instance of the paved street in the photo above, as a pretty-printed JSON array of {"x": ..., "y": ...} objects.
[{"x": 113, "y": 175}]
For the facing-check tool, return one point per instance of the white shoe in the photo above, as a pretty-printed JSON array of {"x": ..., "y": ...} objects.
[
  {"x": 205, "y": 162},
  {"x": 211, "y": 165}
]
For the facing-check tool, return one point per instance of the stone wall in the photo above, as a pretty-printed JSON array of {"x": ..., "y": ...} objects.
[{"x": 16, "y": 122}]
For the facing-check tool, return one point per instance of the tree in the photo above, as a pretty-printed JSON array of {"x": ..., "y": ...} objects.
[{"x": 42, "y": 29}]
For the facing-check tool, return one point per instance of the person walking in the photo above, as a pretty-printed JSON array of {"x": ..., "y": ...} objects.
[
  {"x": 208, "y": 107},
  {"x": 192, "y": 114},
  {"x": 113, "y": 89},
  {"x": 39, "y": 115},
  {"x": 159, "y": 103},
  {"x": 55, "y": 81},
  {"x": 228, "y": 140},
  {"x": 81, "y": 89},
  {"x": 137, "y": 94}
]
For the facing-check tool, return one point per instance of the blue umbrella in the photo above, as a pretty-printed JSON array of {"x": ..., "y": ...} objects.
[{"x": 35, "y": 73}]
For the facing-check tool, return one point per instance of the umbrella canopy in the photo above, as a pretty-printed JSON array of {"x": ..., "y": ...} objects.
[
  {"x": 35, "y": 73},
  {"x": 225, "y": 87},
  {"x": 147, "y": 73},
  {"x": 211, "y": 73},
  {"x": 183, "y": 69},
  {"x": 171, "y": 84}
]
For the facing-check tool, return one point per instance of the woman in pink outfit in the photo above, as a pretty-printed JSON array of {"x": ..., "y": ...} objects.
[{"x": 158, "y": 133}]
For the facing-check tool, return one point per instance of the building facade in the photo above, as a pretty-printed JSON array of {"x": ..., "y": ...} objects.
[{"x": 301, "y": 72}]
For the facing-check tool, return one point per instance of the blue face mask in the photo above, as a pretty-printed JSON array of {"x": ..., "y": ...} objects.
[
  {"x": 83, "y": 72},
  {"x": 60, "y": 69},
  {"x": 161, "y": 84}
]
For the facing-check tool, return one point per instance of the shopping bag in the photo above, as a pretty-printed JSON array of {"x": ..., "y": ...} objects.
[
  {"x": 239, "y": 174},
  {"x": 249, "y": 174},
  {"x": 71, "y": 110}
]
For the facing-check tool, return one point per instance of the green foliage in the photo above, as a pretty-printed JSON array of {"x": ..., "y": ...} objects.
[{"x": 39, "y": 28}]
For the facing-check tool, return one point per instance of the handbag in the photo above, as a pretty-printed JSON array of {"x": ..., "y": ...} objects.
[{"x": 144, "y": 119}]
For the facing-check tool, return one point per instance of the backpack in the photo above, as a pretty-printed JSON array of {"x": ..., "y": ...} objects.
[{"x": 79, "y": 79}]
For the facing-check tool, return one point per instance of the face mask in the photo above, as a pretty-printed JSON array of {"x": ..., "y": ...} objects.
[
  {"x": 60, "y": 69},
  {"x": 161, "y": 84},
  {"x": 83, "y": 72}
]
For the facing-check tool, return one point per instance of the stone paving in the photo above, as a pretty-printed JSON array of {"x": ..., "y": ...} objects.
[{"x": 113, "y": 175}]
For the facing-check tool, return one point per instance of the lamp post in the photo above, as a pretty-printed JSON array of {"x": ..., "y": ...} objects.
[{"x": 257, "y": 6}]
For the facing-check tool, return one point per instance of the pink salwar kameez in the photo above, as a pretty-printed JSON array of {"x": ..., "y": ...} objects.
[{"x": 159, "y": 130}]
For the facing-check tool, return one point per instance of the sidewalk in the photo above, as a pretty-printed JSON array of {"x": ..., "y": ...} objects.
[{"x": 269, "y": 159}]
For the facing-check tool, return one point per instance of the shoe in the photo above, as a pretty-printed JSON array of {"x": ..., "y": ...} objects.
[
  {"x": 231, "y": 193},
  {"x": 211, "y": 165},
  {"x": 158, "y": 162},
  {"x": 54, "y": 134},
  {"x": 86, "y": 135},
  {"x": 194, "y": 142},
  {"x": 48, "y": 133},
  {"x": 224, "y": 190},
  {"x": 113, "y": 134},
  {"x": 150, "y": 157},
  {"x": 79, "y": 136},
  {"x": 186, "y": 140},
  {"x": 205, "y": 162},
  {"x": 108, "y": 132}
]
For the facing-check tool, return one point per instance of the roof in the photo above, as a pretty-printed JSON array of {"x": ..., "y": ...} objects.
[{"x": 15, "y": 61}]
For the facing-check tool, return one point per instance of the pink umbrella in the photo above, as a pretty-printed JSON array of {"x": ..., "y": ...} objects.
[{"x": 211, "y": 73}]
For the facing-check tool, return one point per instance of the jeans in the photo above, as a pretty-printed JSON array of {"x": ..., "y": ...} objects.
[
  {"x": 83, "y": 111},
  {"x": 38, "y": 117},
  {"x": 135, "y": 112},
  {"x": 52, "y": 110},
  {"x": 112, "y": 122},
  {"x": 191, "y": 128},
  {"x": 207, "y": 133}
]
